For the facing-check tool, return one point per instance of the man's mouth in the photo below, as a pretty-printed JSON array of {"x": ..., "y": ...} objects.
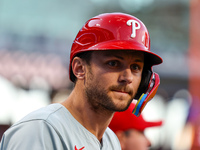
[{"x": 124, "y": 90}]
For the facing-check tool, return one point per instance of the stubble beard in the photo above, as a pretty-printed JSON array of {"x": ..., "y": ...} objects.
[{"x": 98, "y": 97}]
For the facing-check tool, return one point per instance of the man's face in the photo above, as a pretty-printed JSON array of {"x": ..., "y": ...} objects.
[{"x": 112, "y": 79}]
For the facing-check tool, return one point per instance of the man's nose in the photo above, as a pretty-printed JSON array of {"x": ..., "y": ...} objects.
[{"x": 126, "y": 75}]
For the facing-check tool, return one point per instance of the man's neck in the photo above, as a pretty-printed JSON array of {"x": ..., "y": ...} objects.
[{"x": 95, "y": 121}]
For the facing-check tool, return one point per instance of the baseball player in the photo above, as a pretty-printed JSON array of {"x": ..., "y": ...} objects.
[
  {"x": 110, "y": 64},
  {"x": 130, "y": 129}
]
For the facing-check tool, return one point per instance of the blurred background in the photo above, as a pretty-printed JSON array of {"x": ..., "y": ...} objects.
[{"x": 35, "y": 42}]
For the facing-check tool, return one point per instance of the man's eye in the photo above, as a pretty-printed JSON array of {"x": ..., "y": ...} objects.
[
  {"x": 113, "y": 63},
  {"x": 135, "y": 67}
]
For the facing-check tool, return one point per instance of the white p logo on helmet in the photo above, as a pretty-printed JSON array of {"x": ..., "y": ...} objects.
[{"x": 135, "y": 25}]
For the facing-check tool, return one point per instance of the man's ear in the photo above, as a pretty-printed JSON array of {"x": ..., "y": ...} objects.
[
  {"x": 78, "y": 68},
  {"x": 122, "y": 138}
]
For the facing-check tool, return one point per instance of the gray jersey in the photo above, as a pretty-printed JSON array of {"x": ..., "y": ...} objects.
[{"x": 54, "y": 128}]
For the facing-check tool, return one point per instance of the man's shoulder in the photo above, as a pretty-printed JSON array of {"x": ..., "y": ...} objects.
[
  {"x": 45, "y": 118},
  {"x": 35, "y": 129},
  {"x": 41, "y": 114}
]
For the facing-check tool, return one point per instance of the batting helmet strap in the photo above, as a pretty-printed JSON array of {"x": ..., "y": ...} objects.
[{"x": 145, "y": 97}]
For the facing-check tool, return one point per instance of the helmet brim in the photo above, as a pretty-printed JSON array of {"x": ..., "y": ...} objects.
[{"x": 152, "y": 58}]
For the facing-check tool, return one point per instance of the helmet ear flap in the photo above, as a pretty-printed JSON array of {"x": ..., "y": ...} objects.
[
  {"x": 146, "y": 76},
  {"x": 148, "y": 94}
]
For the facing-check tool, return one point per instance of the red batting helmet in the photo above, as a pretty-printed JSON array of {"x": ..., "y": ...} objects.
[{"x": 115, "y": 31}]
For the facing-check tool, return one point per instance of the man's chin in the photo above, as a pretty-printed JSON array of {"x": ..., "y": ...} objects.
[{"x": 122, "y": 107}]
